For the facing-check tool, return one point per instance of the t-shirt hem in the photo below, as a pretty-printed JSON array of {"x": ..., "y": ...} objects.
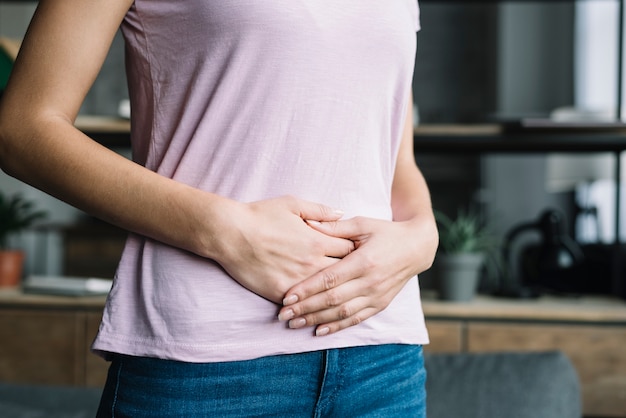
[{"x": 107, "y": 345}]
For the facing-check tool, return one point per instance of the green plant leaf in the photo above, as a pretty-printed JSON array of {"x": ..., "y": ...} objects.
[
  {"x": 466, "y": 233},
  {"x": 16, "y": 214}
]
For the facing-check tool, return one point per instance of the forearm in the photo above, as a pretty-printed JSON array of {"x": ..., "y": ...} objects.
[
  {"x": 410, "y": 197},
  {"x": 264, "y": 245},
  {"x": 60, "y": 58},
  {"x": 50, "y": 154}
]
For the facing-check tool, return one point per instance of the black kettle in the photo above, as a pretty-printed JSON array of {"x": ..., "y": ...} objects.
[{"x": 553, "y": 264}]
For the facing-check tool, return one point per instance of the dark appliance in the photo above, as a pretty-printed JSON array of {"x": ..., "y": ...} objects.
[{"x": 556, "y": 263}]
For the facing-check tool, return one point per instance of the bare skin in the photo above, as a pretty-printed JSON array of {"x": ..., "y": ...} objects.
[{"x": 62, "y": 54}]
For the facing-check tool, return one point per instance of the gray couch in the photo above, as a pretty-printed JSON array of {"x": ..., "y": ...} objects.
[
  {"x": 508, "y": 385},
  {"x": 29, "y": 401},
  {"x": 502, "y": 385}
]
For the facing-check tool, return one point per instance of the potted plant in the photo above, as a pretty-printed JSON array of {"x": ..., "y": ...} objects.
[
  {"x": 463, "y": 244},
  {"x": 16, "y": 214}
]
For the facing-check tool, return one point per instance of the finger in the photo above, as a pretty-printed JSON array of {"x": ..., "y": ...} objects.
[
  {"x": 336, "y": 326},
  {"x": 329, "y": 278},
  {"x": 332, "y": 294},
  {"x": 317, "y": 211},
  {"x": 349, "y": 228},
  {"x": 350, "y": 309},
  {"x": 337, "y": 247}
]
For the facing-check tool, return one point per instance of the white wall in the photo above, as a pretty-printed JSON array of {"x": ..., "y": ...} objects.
[{"x": 596, "y": 60}]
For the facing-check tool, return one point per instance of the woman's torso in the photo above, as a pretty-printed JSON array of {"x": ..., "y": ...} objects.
[{"x": 253, "y": 100}]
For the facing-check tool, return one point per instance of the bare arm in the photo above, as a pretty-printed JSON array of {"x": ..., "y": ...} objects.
[
  {"x": 61, "y": 55},
  {"x": 388, "y": 254},
  {"x": 410, "y": 197}
]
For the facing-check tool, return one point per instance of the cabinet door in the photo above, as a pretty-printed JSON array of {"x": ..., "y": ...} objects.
[
  {"x": 96, "y": 367},
  {"x": 445, "y": 336},
  {"x": 41, "y": 347},
  {"x": 598, "y": 353}
]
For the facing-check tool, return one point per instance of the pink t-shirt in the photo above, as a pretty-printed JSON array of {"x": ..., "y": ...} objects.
[{"x": 251, "y": 100}]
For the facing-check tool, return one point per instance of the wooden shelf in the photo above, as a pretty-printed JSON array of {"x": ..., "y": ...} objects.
[
  {"x": 115, "y": 132},
  {"x": 496, "y": 139}
]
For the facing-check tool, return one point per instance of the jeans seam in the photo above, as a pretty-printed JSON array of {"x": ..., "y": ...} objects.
[
  {"x": 117, "y": 386},
  {"x": 326, "y": 398},
  {"x": 341, "y": 373},
  {"x": 318, "y": 408}
]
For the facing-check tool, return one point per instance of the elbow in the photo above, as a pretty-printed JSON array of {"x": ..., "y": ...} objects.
[
  {"x": 431, "y": 244},
  {"x": 5, "y": 147},
  {"x": 10, "y": 131}
]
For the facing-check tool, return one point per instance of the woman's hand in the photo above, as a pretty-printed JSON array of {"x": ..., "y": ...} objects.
[
  {"x": 365, "y": 282},
  {"x": 268, "y": 247}
]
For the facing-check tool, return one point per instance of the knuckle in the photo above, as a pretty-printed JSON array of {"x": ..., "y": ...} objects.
[
  {"x": 329, "y": 280},
  {"x": 311, "y": 319},
  {"x": 324, "y": 210},
  {"x": 297, "y": 311},
  {"x": 332, "y": 299},
  {"x": 355, "y": 320},
  {"x": 345, "y": 312},
  {"x": 368, "y": 262},
  {"x": 382, "y": 304},
  {"x": 290, "y": 201},
  {"x": 309, "y": 261}
]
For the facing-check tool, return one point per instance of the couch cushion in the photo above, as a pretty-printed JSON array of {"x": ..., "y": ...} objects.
[
  {"x": 496, "y": 385},
  {"x": 26, "y": 401}
]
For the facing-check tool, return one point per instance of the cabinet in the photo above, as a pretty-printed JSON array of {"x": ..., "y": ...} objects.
[
  {"x": 46, "y": 340},
  {"x": 591, "y": 331}
]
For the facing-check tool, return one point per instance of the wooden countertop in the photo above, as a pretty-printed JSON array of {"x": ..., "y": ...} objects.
[
  {"x": 589, "y": 309},
  {"x": 15, "y": 298},
  {"x": 553, "y": 309},
  {"x": 108, "y": 131},
  {"x": 102, "y": 124}
]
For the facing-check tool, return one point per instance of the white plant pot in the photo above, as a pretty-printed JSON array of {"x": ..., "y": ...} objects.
[{"x": 458, "y": 275}]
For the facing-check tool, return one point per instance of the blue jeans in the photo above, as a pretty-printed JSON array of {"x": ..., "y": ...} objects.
[{"x": 372, "y": 381}]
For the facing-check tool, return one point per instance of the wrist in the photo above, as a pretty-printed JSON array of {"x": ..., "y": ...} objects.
[
  {"x": 209, "y": 224},
  {"x": 424, "y": 232}
]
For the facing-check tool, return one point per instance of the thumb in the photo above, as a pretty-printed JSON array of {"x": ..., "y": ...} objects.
[
  {"x": 318, "y": 212},
  {"x": 348, "y": 229}
]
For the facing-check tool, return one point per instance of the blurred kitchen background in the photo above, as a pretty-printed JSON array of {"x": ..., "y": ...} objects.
[{"x": 477, "y": 63}]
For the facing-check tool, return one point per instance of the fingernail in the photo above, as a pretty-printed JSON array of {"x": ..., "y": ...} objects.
[
  {"x": 287, "y": 315},
  {"x": 313, "y": 222},
  {"x": 290, "y": 300},
  {"x": 339, "y": 212},
  {"x": 297, "y": 323},
  {"x": 320, "y": 332}
]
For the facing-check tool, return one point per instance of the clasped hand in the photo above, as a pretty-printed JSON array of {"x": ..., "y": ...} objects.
[
  {"x": 326, "y": 272},
  {"x": 387, "y": 254}
]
